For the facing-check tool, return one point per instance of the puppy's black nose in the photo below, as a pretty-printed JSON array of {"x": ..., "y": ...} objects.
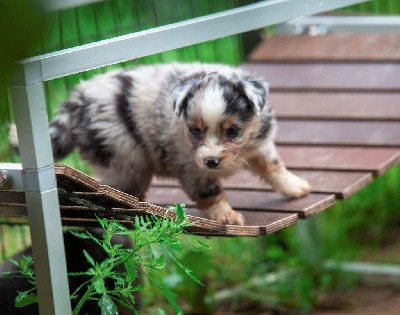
[{"x": 212, "y": 162}]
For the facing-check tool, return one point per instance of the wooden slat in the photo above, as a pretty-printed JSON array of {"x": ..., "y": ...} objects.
[
  {"x": 375, "y": 160},
  {"x": 342, "y": 184},
  {"x": 12, "y": 197},
  {"x": 329, "y": 77},
  {"x": 266, "y": 222},
  {"x": 72, "y": 179},
  {"x": 373, "y": 47},
  {"x": 250, "y": 200},
  {"x": 345, "y": 106},
  {"x": 353, "y": 133}
]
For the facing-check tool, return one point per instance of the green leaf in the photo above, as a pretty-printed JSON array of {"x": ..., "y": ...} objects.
[
  {"x": 89, "y": 258},
  {"x": 99, "y": 286},
  {"x": 131, "y": 272},
  {"x": 25, "y": 262},
  {"x": 103, "y": 222},
  {"x": 159, "y": 263},
  {"x": 14, "y": 262},
  {"x": 161, "y": 312},
  {"x": 186, "y": 270},
  {"x": 180, "y": 212},
  {"x": 77, "y": 274},
  {"x": 24, "y": 299},
  {"x": 85, "y": 235},
  {"x": 170, "y": 296},
  {"x": 138, "y": 288},
  {"x": 107, "y": 305}
]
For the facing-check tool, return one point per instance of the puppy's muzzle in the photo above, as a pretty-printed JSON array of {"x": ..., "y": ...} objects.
[{"x": 212, "y": 161}]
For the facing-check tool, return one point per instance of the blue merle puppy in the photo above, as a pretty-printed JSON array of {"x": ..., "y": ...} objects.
[{"x": 195, "y": 122}]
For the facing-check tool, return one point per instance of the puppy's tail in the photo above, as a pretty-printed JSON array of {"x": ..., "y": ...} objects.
[{"x": 62, "y": 140}]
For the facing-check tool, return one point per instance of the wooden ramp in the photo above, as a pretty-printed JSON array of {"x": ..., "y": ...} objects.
[{"x": 338, "y": 107}]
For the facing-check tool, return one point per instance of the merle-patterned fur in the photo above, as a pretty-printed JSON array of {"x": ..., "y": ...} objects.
[{"x": 133, "y": 124}]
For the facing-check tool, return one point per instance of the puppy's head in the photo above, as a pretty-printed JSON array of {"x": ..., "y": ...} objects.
[{"x": 221, "y": 116}]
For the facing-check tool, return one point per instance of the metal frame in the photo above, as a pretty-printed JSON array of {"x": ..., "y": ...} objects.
[
  {"x": 172, "y": 36},
  {"x": 31, "y": 119}
]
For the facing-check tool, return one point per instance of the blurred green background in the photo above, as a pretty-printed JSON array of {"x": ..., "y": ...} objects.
[{"x": 352, "y": 230}]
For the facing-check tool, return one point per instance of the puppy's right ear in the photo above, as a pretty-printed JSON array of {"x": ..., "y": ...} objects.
[{"x": 183, "y": 91}]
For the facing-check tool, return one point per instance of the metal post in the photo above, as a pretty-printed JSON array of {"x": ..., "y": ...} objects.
[{"x": 41, "y": 192}]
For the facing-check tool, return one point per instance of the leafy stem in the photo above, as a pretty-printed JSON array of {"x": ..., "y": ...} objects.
[{"x": 114, "y": 279}]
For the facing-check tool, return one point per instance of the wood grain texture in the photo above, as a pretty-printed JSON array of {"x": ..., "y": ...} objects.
[
  {"x": 342, "y": 184},
  {"x": 372, "y": 47},
  {"x": 339, "y": 105},
  {"x": 80, "y": 208},
  {"x": 266, "y": 222},
  {"x": 346, "y": 133},
  {"x": 329, "y": 77},
  {"x": 249, "y": 200},
  {"x": 375, "y": 160}
]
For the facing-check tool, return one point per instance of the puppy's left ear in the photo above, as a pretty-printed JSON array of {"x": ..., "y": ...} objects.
[
  {"x": 257, "y": 92},
  {"x": 183, "y": 91}
]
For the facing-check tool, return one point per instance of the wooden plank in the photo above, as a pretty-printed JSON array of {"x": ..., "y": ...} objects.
[
  {"x": 72, "y": 179},
  {"x": 338, "y": 105},
  {"x": 342, "y": 184},
  {"x": 264, "y": 222},
  {"x": 371, "y": 159},
  {"x": 329, "y": 77},
  {"x": 372, "y": 47},
  {"x": 362, "y": 133},
  {"x": 249, "y": 200}
]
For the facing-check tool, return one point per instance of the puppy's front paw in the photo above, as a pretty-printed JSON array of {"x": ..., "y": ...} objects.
[
  {"x": 224, "y": 214},
  {"x": 291, "y": 185}
]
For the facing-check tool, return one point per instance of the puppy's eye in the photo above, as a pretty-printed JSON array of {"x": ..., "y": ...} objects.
[
  {"x": 232, "y": 132},
  {"x": 196, "y": 132}
]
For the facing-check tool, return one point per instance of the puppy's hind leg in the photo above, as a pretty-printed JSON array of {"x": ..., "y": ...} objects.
[
  {"x": 268, "y": 165},
  {"x": 210, "y": 198}
]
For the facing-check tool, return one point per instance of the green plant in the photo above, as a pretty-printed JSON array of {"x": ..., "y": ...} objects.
[{"x": 153, "y": 240}]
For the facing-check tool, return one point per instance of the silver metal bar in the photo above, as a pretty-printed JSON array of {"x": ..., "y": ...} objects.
[
  {"x": 39, "y": 184},
  {"x": 343, "y": 24},
  {"x": 176, "y": 35},
  {"x": 373, "y": 273}
]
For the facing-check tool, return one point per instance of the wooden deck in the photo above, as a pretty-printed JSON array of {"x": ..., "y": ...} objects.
[{"x": 337, "y": 99}]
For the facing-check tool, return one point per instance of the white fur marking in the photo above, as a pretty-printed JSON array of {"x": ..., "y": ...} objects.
[{"x": 212, "y": 107}]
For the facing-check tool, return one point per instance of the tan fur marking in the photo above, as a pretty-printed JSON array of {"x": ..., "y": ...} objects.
[
  {"x": 228, "y": 123},
  {"x": 198, "y": 122},
  {"x": 262, "y": 166}
]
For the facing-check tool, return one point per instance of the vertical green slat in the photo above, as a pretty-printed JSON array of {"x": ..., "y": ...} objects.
[
  {"x": 145, "y": 21},
  {"x": 52, "y": 38},
  {"x": 4, "y": 110},
  {"x": 86, "y": 27}
]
